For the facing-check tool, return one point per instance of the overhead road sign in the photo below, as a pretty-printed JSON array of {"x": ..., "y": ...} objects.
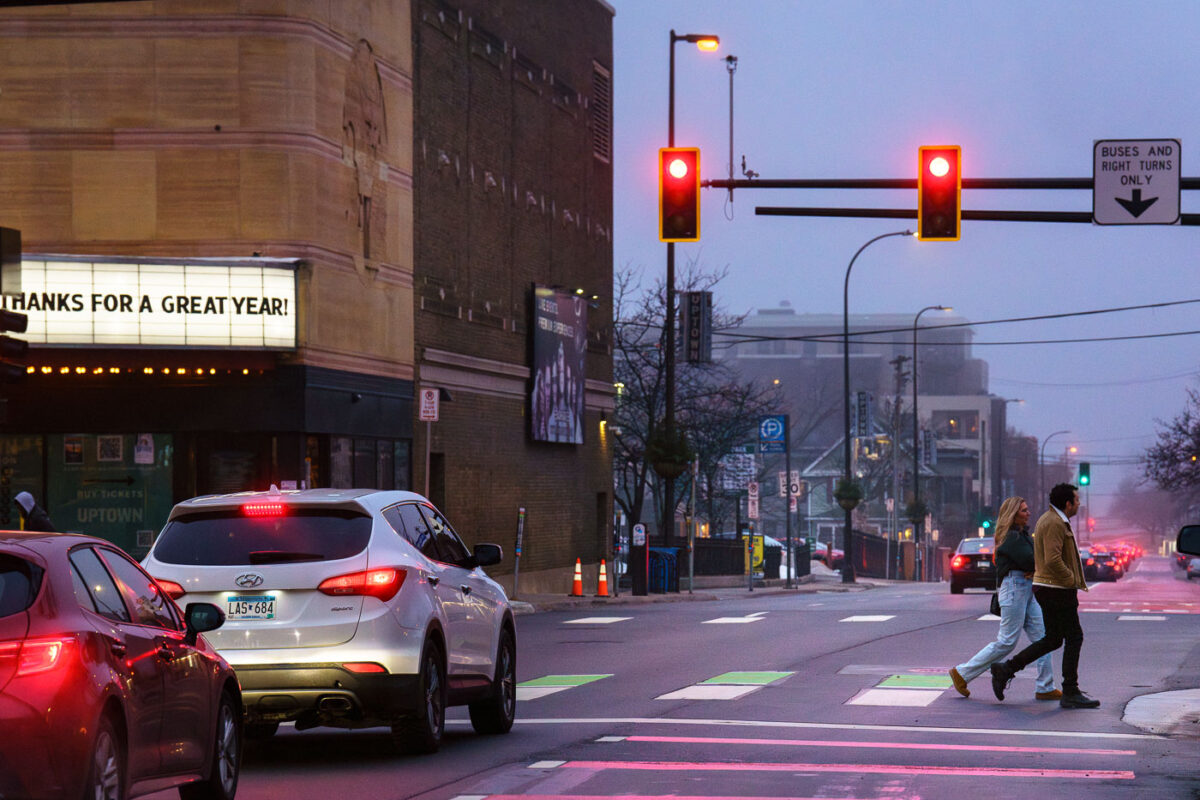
[{"x": 1136, "y": 181}]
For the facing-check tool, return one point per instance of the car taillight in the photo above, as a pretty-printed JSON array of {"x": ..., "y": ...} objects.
[
  {"x": 1091, "y": 561},
  {"x": 173, "y": 589},
  {"x": 382, "y": 583},
  {"x": 270, "y": 508},
  {"x": 364, "y": 666},
  {"x": 958, "y": 562},
  {"x": 32, "y": 655}
]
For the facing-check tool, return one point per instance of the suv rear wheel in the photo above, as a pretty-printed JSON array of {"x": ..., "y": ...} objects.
[
  {"x": 497, "y": 712},
  {"x": 422, "y": 732}
]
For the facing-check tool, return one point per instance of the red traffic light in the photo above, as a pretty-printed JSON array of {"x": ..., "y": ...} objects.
[
  {"x": 679, "y": 194},
  {"x": 939, "y": 193}
]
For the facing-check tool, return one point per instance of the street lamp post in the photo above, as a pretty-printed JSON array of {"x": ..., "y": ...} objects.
[
  {"x": 1042, "y": 467},
  {"x": 703, "y": 42},
  {"x": 847, "y": 536},
  {"x": 916, "y": 443}
]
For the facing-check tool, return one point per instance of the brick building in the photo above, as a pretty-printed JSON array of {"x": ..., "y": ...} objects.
[{"x": 253, "y": 231}]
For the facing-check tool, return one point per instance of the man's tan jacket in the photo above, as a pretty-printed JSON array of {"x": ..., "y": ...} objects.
[{"x": 1055, "y": 555}]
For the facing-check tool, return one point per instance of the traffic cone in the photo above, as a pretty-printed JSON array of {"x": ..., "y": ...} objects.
[
  {"x": 577, "y": 586},
  {"x": 602, "y": 589}
]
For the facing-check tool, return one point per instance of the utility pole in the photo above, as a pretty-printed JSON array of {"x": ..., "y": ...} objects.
[{"x": 894, "y": 518}]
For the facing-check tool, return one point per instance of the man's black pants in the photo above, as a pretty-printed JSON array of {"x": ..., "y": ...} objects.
[{"x": 1060, "y": 608}]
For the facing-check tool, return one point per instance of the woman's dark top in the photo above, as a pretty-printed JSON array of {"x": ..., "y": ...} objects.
[{"x": 1016, "y": 552}]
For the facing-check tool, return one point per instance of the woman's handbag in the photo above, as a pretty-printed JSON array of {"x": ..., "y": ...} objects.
[{"x": 995, "y": 607}]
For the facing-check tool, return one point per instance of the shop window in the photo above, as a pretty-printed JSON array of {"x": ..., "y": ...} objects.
[{"x": 956, "y": 424}]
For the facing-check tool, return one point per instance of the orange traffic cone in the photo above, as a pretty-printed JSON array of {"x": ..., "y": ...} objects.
[
  {"x": 577, "y": 586},
  {"x": 602, "y": 590}
]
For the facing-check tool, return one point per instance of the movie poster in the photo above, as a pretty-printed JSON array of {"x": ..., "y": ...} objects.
[{"x": 559, "y": 353}]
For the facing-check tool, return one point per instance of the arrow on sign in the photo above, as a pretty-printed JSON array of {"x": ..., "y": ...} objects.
[{"x": 1136, "y": 205}]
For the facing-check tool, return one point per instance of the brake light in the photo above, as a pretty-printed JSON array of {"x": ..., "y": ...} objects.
[
  {"x": 173, "y": 589},
  {"x": 270, "y": 508},
  {"x": 1091, "y": 561},
  {"x": 33, "y": 655},
  {"x": 958, "y": 562},
  {"x": 382, "y": 583}
]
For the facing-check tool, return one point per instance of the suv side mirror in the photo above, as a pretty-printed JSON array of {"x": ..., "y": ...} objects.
[
  {"x": 201, "y": 618},
  {"x": 489, "y": 554},
  {"x": 1188, "y": 541}
]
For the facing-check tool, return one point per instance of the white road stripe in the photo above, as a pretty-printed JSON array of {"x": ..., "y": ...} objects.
[
  {"x": 595, "y": 620},
  {"x": 894, "y": 697},
  {"x": 534, "y": 692},
  {"x": 869, "y": 618},
  {"x": 710, "y": 691},
  {"x": 1136, "y": 618}
]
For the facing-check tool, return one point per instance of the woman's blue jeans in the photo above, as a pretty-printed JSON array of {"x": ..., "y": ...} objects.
[{"x": 1018, "y": 611}]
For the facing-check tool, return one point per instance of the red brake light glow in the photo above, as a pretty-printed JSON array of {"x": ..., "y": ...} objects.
[
  {"x": 382, "y": 583},
  {"x": 958, "y": 561},
  {"x": 270, "y": 508},
  {"x": 364, "y": 666},
  {"x": 34, "y": 655},
  {"x": 173, "y": 589}
]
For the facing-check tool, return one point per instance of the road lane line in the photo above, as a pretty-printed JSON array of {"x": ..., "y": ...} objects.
[
  {"x": 869, "y": 618},
  {"x": 873, "y": 769},
  {"x": 978, "y": 748},
  {"x": 642, "y": 797},
  {"x": 1139, "y": 618},
  {"x": 595, "y": 620},
  {"x": 894, "y": 697},
  {"x": 839, "y": 726}
]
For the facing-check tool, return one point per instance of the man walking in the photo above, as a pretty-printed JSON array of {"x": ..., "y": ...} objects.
[{"x": 1057, "y": 577}]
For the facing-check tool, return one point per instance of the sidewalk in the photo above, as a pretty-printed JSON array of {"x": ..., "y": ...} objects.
[{"x": 708, "y": 587}]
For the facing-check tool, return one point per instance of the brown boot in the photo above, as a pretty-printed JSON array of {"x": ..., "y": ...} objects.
[{"x": 960, "y": 685}]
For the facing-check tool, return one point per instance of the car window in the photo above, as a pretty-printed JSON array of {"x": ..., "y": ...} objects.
[
  {"x": 150, "y": 605},
  {"x": 408, "y": 522},
  {"x": 94, "y": 587},
  {"x": 975, "y": 546},
  {"x": 448, "y": 543},
  {"x": 230, "y": 538},
  {"x": 19, "y": 581}
]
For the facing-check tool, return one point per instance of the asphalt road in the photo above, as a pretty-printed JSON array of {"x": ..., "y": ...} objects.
[{"x": 809, "y": 694}]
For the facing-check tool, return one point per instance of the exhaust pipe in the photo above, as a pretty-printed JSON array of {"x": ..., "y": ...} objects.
[{"x": 334, "y": 704}]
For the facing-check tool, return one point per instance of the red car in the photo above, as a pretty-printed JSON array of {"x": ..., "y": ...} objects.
[{"x": 107, "y": 689}]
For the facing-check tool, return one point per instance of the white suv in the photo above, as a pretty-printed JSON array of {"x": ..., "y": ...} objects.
[{"x": 346, "y": 608}]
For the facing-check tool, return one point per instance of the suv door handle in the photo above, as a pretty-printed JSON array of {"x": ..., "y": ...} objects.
[
  {"x": 117, "y": 648},
  {"x": 465, "y": 589},
  {"x": 434, "y": 580},
  {"x": 165, "y": 653}
]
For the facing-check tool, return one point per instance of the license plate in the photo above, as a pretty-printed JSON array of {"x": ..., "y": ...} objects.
[
  {"x": 983, "y": 562},
  {"x": 258, "y": 607}
]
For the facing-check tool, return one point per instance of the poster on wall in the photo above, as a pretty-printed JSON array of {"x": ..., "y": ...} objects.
[{"x": 559, "y": 353}]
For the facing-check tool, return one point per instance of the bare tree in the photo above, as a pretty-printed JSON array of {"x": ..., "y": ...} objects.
[
  {"x": 714, "y": 410},
  {"x": 1156, "y": 511},
  {"x": 1173, "y": 461}
]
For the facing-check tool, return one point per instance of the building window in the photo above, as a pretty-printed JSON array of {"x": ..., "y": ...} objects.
[
  {"x": 601, "y": 113},
  {"x": 956, "y": 424}
]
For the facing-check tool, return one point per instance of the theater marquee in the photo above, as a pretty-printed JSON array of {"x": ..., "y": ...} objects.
[{"x": 74, "y": 302}]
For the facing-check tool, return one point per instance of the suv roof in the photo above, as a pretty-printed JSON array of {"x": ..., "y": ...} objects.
[{"x": 370, "y": 499}]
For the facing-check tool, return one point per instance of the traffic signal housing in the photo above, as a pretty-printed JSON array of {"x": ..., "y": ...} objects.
[
  {"x": 12, "y": 351},
  {"x": 679, "y": 194},
  {"x": 1085, "y": 473},
  {"x": 939, "y": 193}
]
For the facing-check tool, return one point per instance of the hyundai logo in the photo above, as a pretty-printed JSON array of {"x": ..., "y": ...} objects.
[{"x": 249, "y": 580}]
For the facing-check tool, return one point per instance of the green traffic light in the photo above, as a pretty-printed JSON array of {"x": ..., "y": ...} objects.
[{"x": 1085, "y": 473}]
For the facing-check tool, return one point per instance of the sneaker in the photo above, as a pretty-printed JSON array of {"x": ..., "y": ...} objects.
[
  {"x": 1053, "y": 694},
  {"x": 960, "y": 685},
  {"x": 1002, "y": 673},
  {"x": 1078, "y": 700}
]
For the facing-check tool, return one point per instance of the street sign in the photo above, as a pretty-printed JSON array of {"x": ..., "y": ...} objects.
[
  {"x": 639, "y": 535},
  {"x": 783, "y": 483},
  {"x": 752, "y": 489},
  {"x": 771, "y": 433},
  {"x": 752, "y": 508},
  {"x": 429, "y": 405},
  {"x": 1136, "y": 181}
]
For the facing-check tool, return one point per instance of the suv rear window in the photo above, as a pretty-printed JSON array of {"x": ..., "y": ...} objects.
[
  {"x": 19, "y": 582},
  {"x": 224, "y": 538},
  {"x": 975, "y": 546}
]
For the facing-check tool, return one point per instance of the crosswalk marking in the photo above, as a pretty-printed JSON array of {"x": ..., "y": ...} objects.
[
  {"x": 553, "y": 684},
  {"x": 727, "y": 686},
  {"x": 869, "y": 618},
  {"x": 755, "y": 617},
  {"x": 975, "y": 748},
  {"x": 1141, "y": 618},
  {"x": 595, "y": 620},
  {"x": 894, "y": 697},
  {"x": 874, "y": 769}
]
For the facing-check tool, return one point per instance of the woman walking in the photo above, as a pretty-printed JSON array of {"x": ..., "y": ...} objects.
[{"x": 1018, "y": 608}]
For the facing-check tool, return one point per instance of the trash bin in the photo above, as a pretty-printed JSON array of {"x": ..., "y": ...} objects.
[
  {"x": 801, "y": 559},
  {"x": 664, "y": 570},
  {"x": 772, "y": 558}
]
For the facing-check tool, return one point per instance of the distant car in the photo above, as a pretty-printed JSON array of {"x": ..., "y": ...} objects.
[
  {"x": 971, "y": 566},
  {"x": 1089, "y": 564},
  {"x": 347, "y": 608},
  {"x": 1108, "y": 567},
  {"x": 1193, "y": 568},
  {"x": 107, "y": 689},
  {"x": 821, "y": 553}
]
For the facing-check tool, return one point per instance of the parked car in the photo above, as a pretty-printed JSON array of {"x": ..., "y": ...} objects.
[
  {"x": 821, "y": 553},
  {"x": 971, "y": 566},
  {"x": 107, "y": 689},
  {"x": 1108, "y": 567},
  {"x": 1089, "y": 564},
  {"x": 347, "y": 608},
  {"x": 1193, "y": 568}
]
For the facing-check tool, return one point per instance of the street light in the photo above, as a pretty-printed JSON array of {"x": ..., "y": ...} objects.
[
  {"x": 847, "y": 536},
  {"x": 705, "y": 42},
  {"x": 917, "y": 524},
  {"x": 1042, "y": 466}
]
